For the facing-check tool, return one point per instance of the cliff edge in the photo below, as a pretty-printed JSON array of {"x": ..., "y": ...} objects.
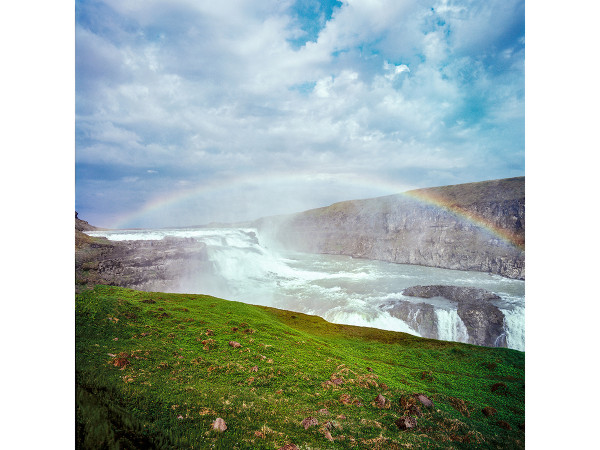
[
  {"x": 163, "y": 265},
  {"x": 474, "y": 226}
]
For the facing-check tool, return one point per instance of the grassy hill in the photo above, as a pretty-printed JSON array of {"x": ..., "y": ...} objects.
[{"x": 156, "y": 370}]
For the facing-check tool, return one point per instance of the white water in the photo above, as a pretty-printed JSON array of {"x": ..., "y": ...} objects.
[
  {"x": 450, "y": 326},
  {"x": 338, "y": 288}
]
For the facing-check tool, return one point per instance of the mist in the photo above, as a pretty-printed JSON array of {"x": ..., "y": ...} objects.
[{"x": 251, "y": 265}]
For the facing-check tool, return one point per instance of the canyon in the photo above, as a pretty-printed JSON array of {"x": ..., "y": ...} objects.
[{"x": 474, "y": 226}]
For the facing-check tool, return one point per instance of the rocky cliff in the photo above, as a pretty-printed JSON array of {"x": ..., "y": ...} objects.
[
  {"x": 144, "y": 265},
  {"x": 484, "y": 321},
  {"x": 474, "y": 226}
]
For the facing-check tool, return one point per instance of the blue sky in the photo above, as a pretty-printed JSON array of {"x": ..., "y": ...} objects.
[{"x": 229, "y": 111}]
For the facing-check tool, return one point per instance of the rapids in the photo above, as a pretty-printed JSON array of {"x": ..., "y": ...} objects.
[{"x": 248, "y": 268}]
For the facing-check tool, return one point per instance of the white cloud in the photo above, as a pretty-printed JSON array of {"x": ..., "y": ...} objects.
[
  {"x": 394, "y": 70},
  {"x": 211, "y": 88}
]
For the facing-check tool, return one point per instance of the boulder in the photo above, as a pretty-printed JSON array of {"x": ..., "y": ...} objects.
[
  {"x": 309, "y": 422},
  {"x": 219, "y": 425},
  {"x": 425, "y": 401},
  {"x": 406, "y": 422},
  {"x": 381, "y": 401}
]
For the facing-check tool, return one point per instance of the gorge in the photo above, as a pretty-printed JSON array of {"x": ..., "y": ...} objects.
[
  {"x": 474, "y": 226},
  {"x": 398, "y": 263}
]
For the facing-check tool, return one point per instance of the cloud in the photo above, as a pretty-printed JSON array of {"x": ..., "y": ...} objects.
[
  {"x": 195, "y": 92},
  {"x": 394, "y": 70}
]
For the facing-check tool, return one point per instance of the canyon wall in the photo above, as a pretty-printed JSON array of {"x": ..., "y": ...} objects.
[
  {"x": 164, "y": 266},
  {"x": 475, "y": 226}
]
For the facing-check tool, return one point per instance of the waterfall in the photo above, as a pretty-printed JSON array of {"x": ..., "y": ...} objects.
[
  {"x": 451, "y": 326},
  {"x": 514, "y": 326},
  {"x": 338, "y": 288}
]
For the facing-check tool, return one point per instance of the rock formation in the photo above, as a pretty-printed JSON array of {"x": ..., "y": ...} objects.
[
  {"x": 483, "y": 320},
  {"x": 474, "y": 226},
  {"x": 419, "y": 316},
  {"x": 144, "y": 265}
]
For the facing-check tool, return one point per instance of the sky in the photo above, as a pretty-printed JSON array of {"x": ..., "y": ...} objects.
[{"x": 189, "y": 112}]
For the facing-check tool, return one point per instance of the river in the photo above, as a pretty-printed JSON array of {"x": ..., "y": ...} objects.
[{"x": 341, "y": 289}]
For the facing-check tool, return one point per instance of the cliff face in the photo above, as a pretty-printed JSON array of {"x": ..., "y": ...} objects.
[
  {"x": 484, "y": 321},
  {"x": 144, "y": 265},
  {"x": 447, "y": 227}
]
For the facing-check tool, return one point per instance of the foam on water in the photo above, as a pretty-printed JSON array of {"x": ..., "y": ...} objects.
[
  {"x": 338, "y": 288},
  {"x": 382, "y": 321},
  {"x": 450, "y": 326},
  {"x": 514, "y": 324}
]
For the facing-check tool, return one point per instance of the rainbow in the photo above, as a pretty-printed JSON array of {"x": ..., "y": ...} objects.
[
  {"x": 181, "y": 196},
  {"x": 425, "y": 196},
  {"x": 432, "y": 198}
]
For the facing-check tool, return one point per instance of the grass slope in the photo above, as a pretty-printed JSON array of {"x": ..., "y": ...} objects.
[{"x": 156, "y": 370}]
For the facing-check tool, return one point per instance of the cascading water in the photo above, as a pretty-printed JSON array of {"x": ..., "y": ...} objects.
[
  {"x": 514, "y": 325},
  {"x": 451, "y": 326},
  {"x": 338, "y": 288}
]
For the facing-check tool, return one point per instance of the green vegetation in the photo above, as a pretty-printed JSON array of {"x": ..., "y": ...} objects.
[{"x": 156, "y": 370}]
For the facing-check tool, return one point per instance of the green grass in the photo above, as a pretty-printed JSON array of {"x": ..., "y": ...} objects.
[{"x": 155, "y": 370}]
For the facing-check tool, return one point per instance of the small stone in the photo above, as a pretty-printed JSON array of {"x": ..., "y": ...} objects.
[
  {"x": 120, "y": 362},
  {"x": 309, "y": 422},
  {"x": 380, "y": 401},
  {"x": 235, "y": 344},
  {"x": 406, "y": 422},
  {"x": 424, "y": 400},
  {"x": 289, "y": 447},
  {"x": 219, "y": 425},
  {"x": 323, "y": 411},
  {"x": 488, "y": 411},
  {"x": 327, "y": 435}
]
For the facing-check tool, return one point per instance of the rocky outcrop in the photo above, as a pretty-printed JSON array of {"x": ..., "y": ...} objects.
[
  {"x": 419, "y": 316},
  {"x": 456, "y": 293},
  {"x": 483, "y": 320},
  {"x": 474, "y": 226},
  {"x": 82, "y": 225},
  {"x": 162, "y": 265}
]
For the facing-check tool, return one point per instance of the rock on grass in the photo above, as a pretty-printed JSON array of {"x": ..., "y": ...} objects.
[
  {"x": 219, "y": 425},
  {"x": 426, "y": 401},
  {"x": 381, "y": 401},
  {"x": 488, "y": 411},
  {"x": 309, "y": 422},
  {"x": 406, "y": 422}
]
